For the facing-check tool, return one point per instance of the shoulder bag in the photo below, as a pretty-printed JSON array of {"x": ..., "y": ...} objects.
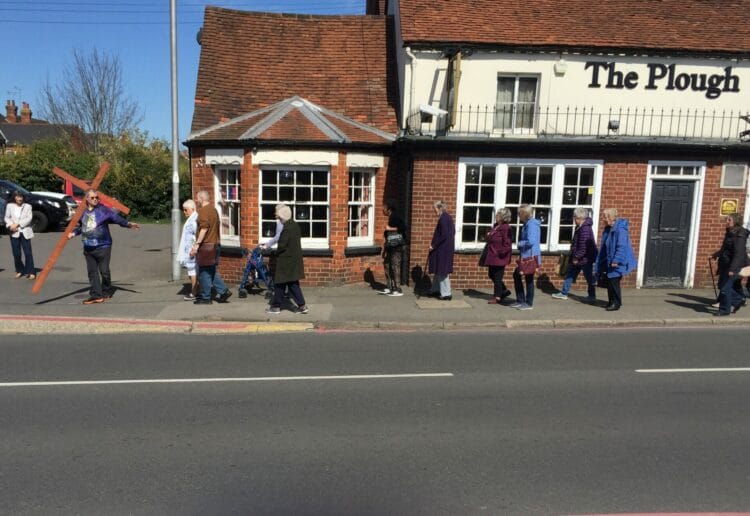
[
  {"x": 483, "y": 256},
  {"x": 206, "y": 255},
  {"x": 394, "y": 240},
  {"x": 527, "y": 265}
]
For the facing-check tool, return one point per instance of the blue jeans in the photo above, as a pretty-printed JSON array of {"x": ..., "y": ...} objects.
[
  {"x": 22, "y": 244},
  {"x": 588, "y": 273},
  {"x": 208, "y": 276},
  {"x": 518, "y": 283},
  {"x": 729, "y": 295}
]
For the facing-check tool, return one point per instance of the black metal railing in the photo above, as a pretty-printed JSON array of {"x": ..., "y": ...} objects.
[{"x": 574, "y": 121}]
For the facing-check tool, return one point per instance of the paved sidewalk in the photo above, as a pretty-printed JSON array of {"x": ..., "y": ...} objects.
[{"x": 146, "y": 302}]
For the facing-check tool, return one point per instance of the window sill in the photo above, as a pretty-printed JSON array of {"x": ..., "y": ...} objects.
[
  {"x": 231, "y": 250},
  {"x": 366, "y": 250},
  {"x": 317, "y": 252}
]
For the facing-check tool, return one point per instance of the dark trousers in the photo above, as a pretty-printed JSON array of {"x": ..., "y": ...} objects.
[
  {"x": 731, "y": 294},
  {"x": 294, "y": 290},
  {"x": 496, "y": 273},
  {"x": 22, "y": 245},
  {"x": 392, "y": 266},
  {"x": 518, "y": 283},
  {"x": 97, "y": 264},
  {"x": 614, "y": 293}
]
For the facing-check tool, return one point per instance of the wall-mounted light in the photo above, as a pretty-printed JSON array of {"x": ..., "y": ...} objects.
[{"x": 561, "y": 67}]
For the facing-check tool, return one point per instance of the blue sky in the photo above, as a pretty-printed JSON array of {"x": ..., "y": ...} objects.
[{"x": 39, "y": 37}]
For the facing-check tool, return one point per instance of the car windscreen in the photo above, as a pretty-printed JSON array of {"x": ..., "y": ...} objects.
[{"x": 13, "y": 187}]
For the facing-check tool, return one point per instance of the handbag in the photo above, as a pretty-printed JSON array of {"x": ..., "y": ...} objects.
[
  {"x": 527, "y": 265},
  {"x": 206, "y": 255},
  {"x": 394, "y": 240},
  {"x": 563, "y": 265},
  {"x": 483, "y": 256},
  {"x": 601, "y": 280}
]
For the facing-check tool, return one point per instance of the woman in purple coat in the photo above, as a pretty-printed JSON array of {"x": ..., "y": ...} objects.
[
  {"x": 582, "y": 256},
  {"x": 440, "y": 258},
  {"x": 499, "y": 249}
]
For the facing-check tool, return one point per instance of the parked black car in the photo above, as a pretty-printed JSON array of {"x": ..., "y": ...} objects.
[{"x": 47, "y": 212}]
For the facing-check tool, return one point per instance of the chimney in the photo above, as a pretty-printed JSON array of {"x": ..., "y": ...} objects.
[
  {"x": 25, "y": 113},
  {"x": 376, "y": 6},
  {"x": 11, "y": 112}
]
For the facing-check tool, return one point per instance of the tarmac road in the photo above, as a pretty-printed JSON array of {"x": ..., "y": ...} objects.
[{"x": 553, "y": 422}]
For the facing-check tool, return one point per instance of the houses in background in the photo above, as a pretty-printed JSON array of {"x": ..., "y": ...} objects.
[
  {"x": 20, "y": 131},
  {"x": 484, "y": 104}
]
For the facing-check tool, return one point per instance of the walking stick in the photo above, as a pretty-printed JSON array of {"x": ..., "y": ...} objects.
[{"x": 713, "y": 278}]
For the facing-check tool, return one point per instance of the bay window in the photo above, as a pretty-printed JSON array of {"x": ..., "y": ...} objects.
[
  {"x": 228, "y": 203},
  {"x": 361, "y": 214},
  {"x": 306, "y": 191}
]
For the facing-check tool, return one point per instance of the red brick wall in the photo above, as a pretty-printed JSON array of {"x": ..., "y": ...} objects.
[
  {"x": 623, "y": 187},
  {"x": 337, "y": 269}
]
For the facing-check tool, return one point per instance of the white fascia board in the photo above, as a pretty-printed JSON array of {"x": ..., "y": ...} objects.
[
  {"x": 365, "y": 160},
  {"x": 288, "y": 157},
  {"x": 224, "y": 156}
]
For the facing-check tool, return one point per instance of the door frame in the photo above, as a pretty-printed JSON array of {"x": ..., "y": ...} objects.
[{"x": 694, "y": 219}]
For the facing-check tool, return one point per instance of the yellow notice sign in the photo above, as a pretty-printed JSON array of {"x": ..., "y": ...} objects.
[{"x": 729, "y": 206}]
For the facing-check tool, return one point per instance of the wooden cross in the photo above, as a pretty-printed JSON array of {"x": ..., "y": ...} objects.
[{"x": 83, "y": 185}]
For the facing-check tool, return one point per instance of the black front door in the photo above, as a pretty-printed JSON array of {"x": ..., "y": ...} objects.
[{"x": 668, "y": 233}]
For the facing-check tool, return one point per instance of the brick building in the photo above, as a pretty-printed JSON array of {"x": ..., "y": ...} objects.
[
  {"x": 18, "y": 131},
  {"x": 301, "y": 110},
  {"x": 487, "y": 104}
]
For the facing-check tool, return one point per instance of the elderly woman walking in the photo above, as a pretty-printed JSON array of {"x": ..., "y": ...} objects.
[
  {"x": 289, "y": 266},
  {"x": 440, "y": 259},
  {"x": 499, "y": 248},
  {"x": 582, "y": 256},
  {"x": 187, "y": 239},
  {"x": 530, "y": 260},
  {"x": 615, "y": 258}
]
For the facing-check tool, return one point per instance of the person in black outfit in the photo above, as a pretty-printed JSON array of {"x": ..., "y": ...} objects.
[
  {"x": 732, "y": 257},
  {"x": 392, "y": 254}
]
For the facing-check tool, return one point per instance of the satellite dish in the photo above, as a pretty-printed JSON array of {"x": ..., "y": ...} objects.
[{"x": 199, "y": 36}]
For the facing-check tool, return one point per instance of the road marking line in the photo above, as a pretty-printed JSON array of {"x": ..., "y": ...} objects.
[
  {"x": 225, "y": 380},
  {"x": 697, "y": 370}
]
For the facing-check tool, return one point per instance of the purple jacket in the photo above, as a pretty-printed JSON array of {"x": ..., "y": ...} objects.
[
  {"x": 583, "y": 246},
  {"x": 440, "y": 260},
  {"x": 499, "y": 245}
]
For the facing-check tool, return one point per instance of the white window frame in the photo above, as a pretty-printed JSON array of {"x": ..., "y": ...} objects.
[
  {"x": 514, "y": 129},
  {"x": 307, "y": 242},
  {"x": 699, "y": 178},
  {"x": 501, "y": 181},
  {"x": 228, "y": 240},
  {"x": 744, "y": 175},
  {"x": 361, "y": 241}
]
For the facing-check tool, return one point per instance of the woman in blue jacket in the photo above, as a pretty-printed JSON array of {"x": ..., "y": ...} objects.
[
  {"x": 528, "y": 247},
  {"x": 616, "y": 258}
]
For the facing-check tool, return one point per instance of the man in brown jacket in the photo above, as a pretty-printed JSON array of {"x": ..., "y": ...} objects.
[{"x": 207, "y": 249}]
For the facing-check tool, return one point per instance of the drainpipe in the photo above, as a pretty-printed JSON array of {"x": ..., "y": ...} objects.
[
  {"x": 747, "y": 198},
  {"x": 413, "y": 67}
]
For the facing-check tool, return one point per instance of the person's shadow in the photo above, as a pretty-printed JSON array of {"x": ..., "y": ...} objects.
[
  {"x": 699, "y": 304},
  {"x": 369, "y": 278}
]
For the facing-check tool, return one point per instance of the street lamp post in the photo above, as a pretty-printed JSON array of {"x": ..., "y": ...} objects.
[{"x": 175, "y": 142}]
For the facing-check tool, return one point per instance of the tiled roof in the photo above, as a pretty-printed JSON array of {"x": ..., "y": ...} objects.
[
  {"x": 677, "y": 25},
  {"x": 293, "y": 119},
  {"x": 26, "y": 134},
  {"x": 252, "y": 60}
]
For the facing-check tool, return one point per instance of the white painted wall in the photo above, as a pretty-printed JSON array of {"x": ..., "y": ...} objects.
[{"x": 478, "y": 86}]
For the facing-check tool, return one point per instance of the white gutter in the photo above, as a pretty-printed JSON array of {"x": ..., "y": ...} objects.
[{"x": 413, "y": 68}]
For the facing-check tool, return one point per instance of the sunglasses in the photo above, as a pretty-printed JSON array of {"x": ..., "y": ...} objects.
[{"x": 93, "y": 198}]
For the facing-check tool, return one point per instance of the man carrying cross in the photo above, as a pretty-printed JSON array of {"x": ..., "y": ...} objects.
[{"x": 97, "y": 245}]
